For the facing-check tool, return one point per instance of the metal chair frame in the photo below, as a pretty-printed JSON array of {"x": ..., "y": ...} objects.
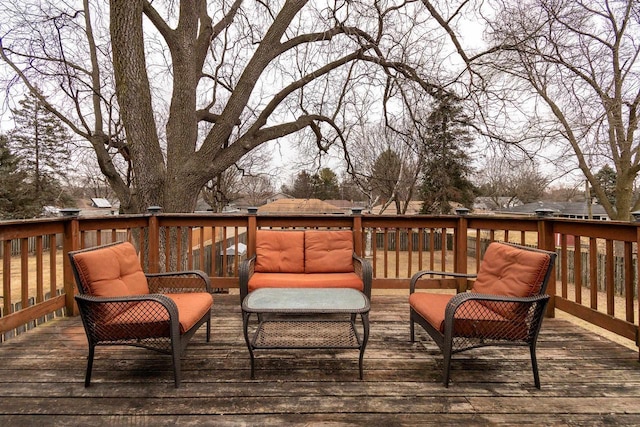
[
  {"x": 171, "y": 341},
  {"x": 529, "y": 325}
]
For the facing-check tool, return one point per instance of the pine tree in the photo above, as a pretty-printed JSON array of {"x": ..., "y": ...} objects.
[
  {"x": 447, "y": 167},
  {"x": 302, "y": 187},
  {"x": 326, "y": 186},
  {"x": 42, "y": 142},
  {"x": 15, "y": 199},
  {"x": 608, "y": 178}
]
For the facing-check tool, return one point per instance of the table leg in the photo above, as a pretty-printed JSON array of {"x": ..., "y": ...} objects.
[
  {"x": 245, "y": 327},
  {"x": 365, "y": 338}
]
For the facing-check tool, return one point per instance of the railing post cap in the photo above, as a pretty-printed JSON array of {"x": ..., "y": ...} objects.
[
  {"x": 357, "y": 210},
  {"x": 462, "y": 211},
  {"x": 154, "y": 209},
  {"x": 544, "y": 212},
  {"x": 252, "y": 210},
  {"x": 70, "y": 211}
]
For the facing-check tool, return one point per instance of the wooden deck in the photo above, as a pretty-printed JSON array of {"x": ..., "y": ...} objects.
[{"x": 586, "y": 380}]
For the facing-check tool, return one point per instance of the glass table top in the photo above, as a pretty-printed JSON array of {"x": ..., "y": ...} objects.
[{"x": 306, "y": 300}]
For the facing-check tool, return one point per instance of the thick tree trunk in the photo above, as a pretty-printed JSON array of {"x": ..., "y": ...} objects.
[{"x": 134, "y": 98}]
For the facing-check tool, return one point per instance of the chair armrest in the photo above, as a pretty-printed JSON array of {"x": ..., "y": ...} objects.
[
  {"x": 166, "y": 302},
  {"x": 419, "y": 274},
  {"x": 246, "y": 270},
  {"x": 537, "y": 302},
  {"x": 96, "y": 310},
  {"x": 364, "y": 270},
  {"x": 179, "y": 282}
]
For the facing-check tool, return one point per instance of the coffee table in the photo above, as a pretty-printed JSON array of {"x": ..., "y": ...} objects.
[{"x": 304, "y": 318}]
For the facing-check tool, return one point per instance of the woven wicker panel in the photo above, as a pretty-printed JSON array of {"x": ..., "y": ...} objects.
[
  {"x": 144, "y": 324},
  {"x": 476, "y": 325},
  {"x": 180, "y": 283},
  {"x": 306, "y": 334}
]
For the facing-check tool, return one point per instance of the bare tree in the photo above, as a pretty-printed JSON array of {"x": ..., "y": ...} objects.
[
  {"x": 231, "y": 185},
  {"x": 579, "y": 60},
  {"x": 507, "y": 180},
  {"x": 200, "y": 84},
  {"x": 256, "y": 189},
  {"x": 66, "y": 53},
  {"x": 386, "y": 170}
]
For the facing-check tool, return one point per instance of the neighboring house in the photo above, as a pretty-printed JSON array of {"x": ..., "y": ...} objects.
[
  {"x": 488, "y": 204},
  {"x": 299, "y": 206},
  {"x": 278, "y": 196},
  {"x": 202, "y": 206},
  {"x": 97, "y": 206},
  {"x": 243, "y": 203},
  {"x": 414, "y": 208},
  {"x": 575, "y": 210},
  {"x": 347, "y": 205}
]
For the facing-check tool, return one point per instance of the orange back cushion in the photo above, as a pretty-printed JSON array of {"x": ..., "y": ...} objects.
[
  {"x": 328, "y": 251},
  {"x": 510, "y": 271},
  {"x": 279, "y": 251},
  {"x": 111, "y": 271}
]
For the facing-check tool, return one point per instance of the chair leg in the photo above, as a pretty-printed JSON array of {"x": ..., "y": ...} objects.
[
  {"x": 175, "y": 353},
  {"x": 412, "y": 326},
  {"x": 534, "y": 365},
  {"x": 87, "y": 376},
  {"x": 447, "y": 368},
  {"x": 446, "y": 354},
  {"x": 209, "y": 329}
]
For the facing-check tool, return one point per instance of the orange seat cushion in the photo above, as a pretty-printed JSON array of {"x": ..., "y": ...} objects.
[
  {"x": 279, "y": 251},
  {"x": 328, "y": 251},
  {"x": 473, "y": 319},
  {"x": 510, "y": 271},
  {"x": 191, "y": 307},
  {"x": 149, "y": 319},
  {"x": 430, "y": 307},
  {"x": 318, "y": 280},
  {"x": 111, "y": 271},
  {"x": 506, "y": 270}
]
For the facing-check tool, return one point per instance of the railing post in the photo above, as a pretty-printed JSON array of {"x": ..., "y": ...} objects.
[
  {"x": 546, "y": 241},
  {"x": 252, "y": 228},
  {"x": 71, "y": 242},
  {"x": 154, "y": 240},
  {"x": 638, "y": 288},
  {"x": 357, "y": 231},
  {"x": 460, "y": 253}
]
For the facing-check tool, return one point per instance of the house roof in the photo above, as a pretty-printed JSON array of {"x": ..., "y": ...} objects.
[
  {"x": 414, "y": 208},
  {"x": 100, "y": 202},
  {"x": 560, "y": 208},
  {"x": 346, "y": 204},
  {"x": 303, "y": 206}
]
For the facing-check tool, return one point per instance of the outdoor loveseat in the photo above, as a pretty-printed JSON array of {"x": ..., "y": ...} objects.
[{"x": 307, "y": 259}]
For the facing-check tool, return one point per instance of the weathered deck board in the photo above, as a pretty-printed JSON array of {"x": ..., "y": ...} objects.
[{"x": 586, "y": 380}]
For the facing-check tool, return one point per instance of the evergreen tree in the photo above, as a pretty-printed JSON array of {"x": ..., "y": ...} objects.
[
  {"x": 302, "y": 187},
  {"x": 15, "y": 199},
  {"x": 43, "y": 144},
  {"x": 608, "y": 178},
  {"x": 323, "y": 185},
  {"x": 326, "y": 186},
  {"x": 447, "y": 169}
]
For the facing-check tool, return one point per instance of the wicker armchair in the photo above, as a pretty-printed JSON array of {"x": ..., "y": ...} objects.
[
  {"x": 505, "y": 306},
  {"x": 120, "y": 305}
]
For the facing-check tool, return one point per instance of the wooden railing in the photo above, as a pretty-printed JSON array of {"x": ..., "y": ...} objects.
[{"x": 596, "y": 276}]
